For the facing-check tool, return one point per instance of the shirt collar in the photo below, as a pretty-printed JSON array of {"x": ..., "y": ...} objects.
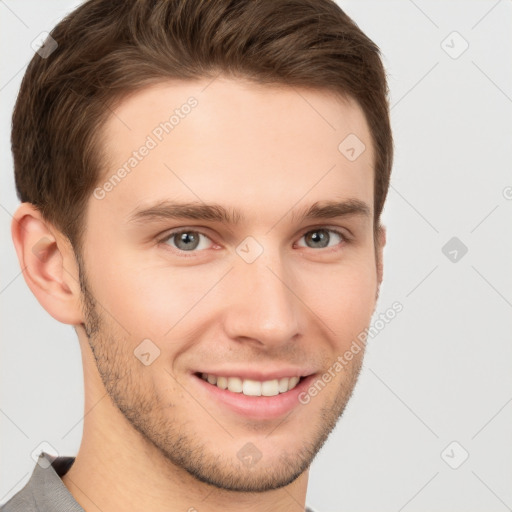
[{"x": 48, "y": 489}]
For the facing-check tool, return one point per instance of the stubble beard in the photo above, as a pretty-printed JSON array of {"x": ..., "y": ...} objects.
[{"x": 122, "y": 377}]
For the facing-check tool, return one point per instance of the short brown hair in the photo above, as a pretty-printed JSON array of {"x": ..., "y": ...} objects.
[{"x": 108, "y": 48}]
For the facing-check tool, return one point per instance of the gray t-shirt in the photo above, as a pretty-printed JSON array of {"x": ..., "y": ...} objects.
[{"x": 46, "y": 492}]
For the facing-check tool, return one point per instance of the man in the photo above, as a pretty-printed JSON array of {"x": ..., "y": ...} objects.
[{"x": 257, "y": 134}]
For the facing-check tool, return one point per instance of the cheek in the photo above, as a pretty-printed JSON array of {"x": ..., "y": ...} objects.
[
  {"x": 122, "y": 293},
  {"x": 346, "y": 299},
  {"x": 150, "y": 302},
  {"x": 155, "y": 301}
]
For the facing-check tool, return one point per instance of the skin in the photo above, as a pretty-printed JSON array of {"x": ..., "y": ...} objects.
[{"x": 152, "y": 438}]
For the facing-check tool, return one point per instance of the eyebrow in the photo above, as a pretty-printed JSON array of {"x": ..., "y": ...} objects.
[{"x": 217, "y": 213}]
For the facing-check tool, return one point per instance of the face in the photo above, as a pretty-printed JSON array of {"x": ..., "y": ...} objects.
[{"x": 261, "y": 293}]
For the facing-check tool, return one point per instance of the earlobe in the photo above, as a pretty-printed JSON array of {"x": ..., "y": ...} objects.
[{"x": 48, "y": 264}]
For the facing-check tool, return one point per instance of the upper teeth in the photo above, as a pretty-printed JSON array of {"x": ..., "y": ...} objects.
[{"x": 252, "y": 387}]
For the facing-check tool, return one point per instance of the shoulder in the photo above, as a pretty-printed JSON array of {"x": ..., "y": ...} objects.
[
  {"x": 44, "y": 489},
  {"x": 23, "y": 501}
]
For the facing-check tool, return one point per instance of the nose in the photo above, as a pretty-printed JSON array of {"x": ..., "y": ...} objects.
[{"x": 262, "y": 305}]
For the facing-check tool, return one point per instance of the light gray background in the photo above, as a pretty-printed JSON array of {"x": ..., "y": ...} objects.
[{"x": 441, "y": 370}]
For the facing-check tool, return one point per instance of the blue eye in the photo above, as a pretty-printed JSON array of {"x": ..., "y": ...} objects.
[
  {"x": 320, "y": 237},
  {"x": 185, "y": 240},
  {"x": 191, "y": 241}
]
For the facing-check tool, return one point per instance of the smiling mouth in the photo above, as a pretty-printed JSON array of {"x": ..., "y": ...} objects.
[{"x": 250, "y": 387}]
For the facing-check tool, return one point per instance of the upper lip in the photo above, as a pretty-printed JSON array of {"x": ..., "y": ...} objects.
[{"x": 258, "y": 374}]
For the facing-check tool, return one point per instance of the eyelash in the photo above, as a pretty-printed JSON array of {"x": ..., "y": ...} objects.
[{"x": 162, "y": 241}]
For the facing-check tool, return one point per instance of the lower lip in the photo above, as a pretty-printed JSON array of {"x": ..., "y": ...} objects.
[{"x": 257, "y": 407}]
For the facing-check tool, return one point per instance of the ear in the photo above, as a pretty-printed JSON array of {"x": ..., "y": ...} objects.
[
  {"x": 48, "y": 264},
  {"x": 379, "y": 251}
]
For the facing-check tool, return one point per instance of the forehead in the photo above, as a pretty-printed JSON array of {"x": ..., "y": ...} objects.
[{"x": 235, "y": 142}]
